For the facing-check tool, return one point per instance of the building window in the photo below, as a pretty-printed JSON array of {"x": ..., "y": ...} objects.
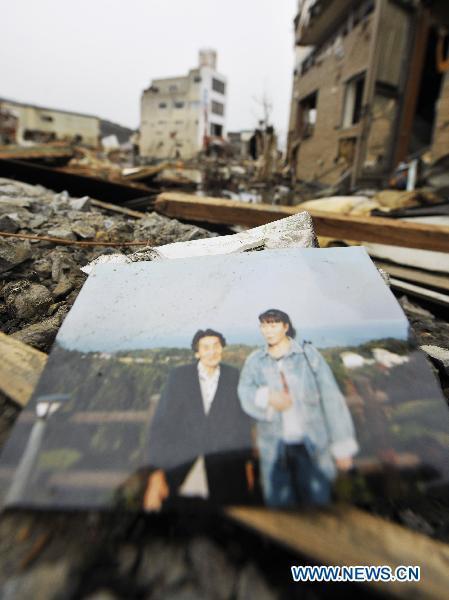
[
  {"x": 162, "y": 105},
  {"x": 352, "y": 108},
  {"x": 217, "y": 108},
  {"x": 179, "y": 104},
  {"x": 216, "y": 130},
  {"x": 196, "y": 79},
  {"x": 218, "y": 86},
  {"x": 161, "y": 122},
  {"x": 47, "y": 118},
  {"x": 307, "y": 115}
]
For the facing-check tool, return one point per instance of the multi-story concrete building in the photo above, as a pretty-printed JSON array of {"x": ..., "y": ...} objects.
[
  {"x": 371, "y": 87},
  {"x": 180, "y": 114},
  {"x": 39, "y": 124}
]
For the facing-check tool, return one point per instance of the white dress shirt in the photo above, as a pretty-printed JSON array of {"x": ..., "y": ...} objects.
[{"x": 195, "y": 484}]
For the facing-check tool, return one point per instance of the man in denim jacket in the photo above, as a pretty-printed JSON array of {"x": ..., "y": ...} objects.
[{"x": 304, "y": 428}]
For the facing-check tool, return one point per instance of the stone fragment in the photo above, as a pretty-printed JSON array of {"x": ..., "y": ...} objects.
[
  {"x": 64, "y": 233},
  {"x": 41, "y": 335},
  {"x": 9, "y": 223},
  {"x": 37, "y": 221},
  {"x": 25, "y": 300},
  {"x": 80, "y": 203},
  {"x": 85, "y": 232},
  {"x": 63, "y": 288},
  {"x": 440, "y": 356},
  {"x": 42, "y": 266},
  {"x": 12, "y": 253}
]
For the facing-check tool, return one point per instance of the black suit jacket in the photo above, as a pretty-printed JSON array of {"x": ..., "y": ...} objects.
[{"x": 181, "y": 431}]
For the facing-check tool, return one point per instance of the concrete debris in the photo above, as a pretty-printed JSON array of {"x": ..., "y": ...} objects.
[
  {"x": 10, "y": 223},
  {"x": 295, "y": 231},
  {"x": 40, "y": 280},
  {"x": 82, "y": 204},
  {"x": 63, "y": 288},
  {"x": 63, "y": 233},
  {"x": 439, "y": 355},
  {"x": 24, "y": 300},
  {"x": 86, "y": 232},
  {"x": 41, "y": 335},
  {"x": 13, "y": 253}
]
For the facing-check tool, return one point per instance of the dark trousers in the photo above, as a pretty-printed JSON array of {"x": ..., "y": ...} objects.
[{"x": 296, "y": 479}]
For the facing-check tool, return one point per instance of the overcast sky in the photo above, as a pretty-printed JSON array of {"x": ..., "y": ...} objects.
[{"x": 96, "y": 56}]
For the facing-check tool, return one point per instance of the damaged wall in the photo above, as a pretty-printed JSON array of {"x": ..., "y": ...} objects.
[
  {"x": 177, "y": 112},
  {"x": 440, "y": 145},
  {"x": 41, "y": 124},
  {"x": 390, "y": 72},
  {"x": 339, "y": 60}
]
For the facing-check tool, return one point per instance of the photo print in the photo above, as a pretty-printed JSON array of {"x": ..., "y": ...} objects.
[{"x": 282, "y": 378}]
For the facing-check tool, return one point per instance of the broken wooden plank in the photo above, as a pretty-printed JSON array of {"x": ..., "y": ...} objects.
[
  {"x": 356, "y": 228},
  {"x": 37, "y": 151},
  {"x": 20, "y": 369},
  {"x": 420, "y": 292},
  {"x": 418, "y": 276},
  {"x": 348, "y": 536}
]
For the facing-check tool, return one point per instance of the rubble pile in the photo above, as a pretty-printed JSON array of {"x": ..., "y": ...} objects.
[{"x": 39, "y": 280}]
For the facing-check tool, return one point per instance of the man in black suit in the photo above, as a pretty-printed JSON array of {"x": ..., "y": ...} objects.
[{"x": 200, "y": 439}]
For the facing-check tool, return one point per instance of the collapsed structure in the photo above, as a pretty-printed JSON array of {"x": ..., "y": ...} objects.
[
  {"x": 30, "y": 123},
  {"x": 179, "y": 115},
  {"x": 371, "y": 87}
]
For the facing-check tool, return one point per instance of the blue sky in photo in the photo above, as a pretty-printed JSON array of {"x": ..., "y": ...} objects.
[{"x": 333, "y": 296}]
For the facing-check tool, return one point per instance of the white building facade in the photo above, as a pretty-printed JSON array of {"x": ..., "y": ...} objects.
[{"x": 179, "y": 114}]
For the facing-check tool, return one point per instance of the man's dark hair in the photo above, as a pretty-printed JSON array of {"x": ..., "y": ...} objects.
[
  {"x": 274, "y": 315},
  {"x": 207, "y": 333}
]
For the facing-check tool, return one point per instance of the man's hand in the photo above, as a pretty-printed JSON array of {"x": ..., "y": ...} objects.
[
  {"x": 344, "y": 464},
  {"x": 157, "y": 491},
  {"x": 280, "y": 401}
]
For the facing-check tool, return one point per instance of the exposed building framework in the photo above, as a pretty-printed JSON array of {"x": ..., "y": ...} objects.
[{"x": 370, "y": 87}]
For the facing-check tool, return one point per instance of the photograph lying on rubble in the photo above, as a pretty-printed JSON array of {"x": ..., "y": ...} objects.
[{"x": 284, "y": 378}]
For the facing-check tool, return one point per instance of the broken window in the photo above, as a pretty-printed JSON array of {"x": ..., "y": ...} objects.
[
  {"x": 217, "y": 108},
  {"x": 38, "y": 136},
  {"x": 46, "y": 118},
  {"x": 162, "y": 105},
  {"x": 352, "y": 108},
  {"x": 307, "y": 115},
  {"x": 179, "y": 104},
  {"x": 216, "y": 130},
  {"x": 218, "y": 86}
]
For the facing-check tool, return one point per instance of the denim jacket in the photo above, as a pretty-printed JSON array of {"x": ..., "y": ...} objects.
[{"x": 327, "y": 423}]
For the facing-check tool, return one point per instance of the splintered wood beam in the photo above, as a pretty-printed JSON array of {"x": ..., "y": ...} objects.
[
  {"x": 342, "y": 227},
  {"x": 20, "y": 369}
]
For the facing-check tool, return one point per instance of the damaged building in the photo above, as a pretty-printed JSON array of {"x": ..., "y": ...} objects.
[
  {"x": 22, "y": 123},
  {"x": 180, "y": 115},
  {"x": 371, "y": 88}
]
